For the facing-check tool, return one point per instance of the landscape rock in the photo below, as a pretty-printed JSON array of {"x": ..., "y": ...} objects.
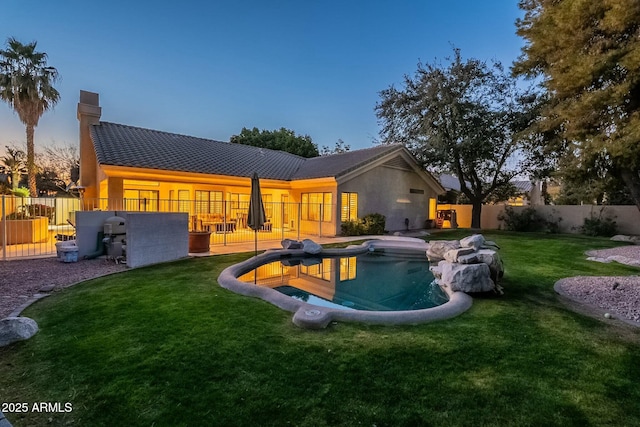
[
  {"x": 629, "y": 239},
  {"x": 311, "y": 247},
  {"x": 437, "y": 249},
  {"x": 467, "y": 277},
  {"x": 474, "y": 241},
  {"x": 14, "y": 329},
  {"x": 452, "y": 255},
  {"x": 291, "y": 244},
  {"x": 472, "y": 264},
  {"x": 490, "y": 244},
  {"x": 489, "y": 257},
  {"x": 436, "y": 270}
]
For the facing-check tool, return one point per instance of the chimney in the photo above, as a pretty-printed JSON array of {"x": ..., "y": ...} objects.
[{"x": 89, "y": 112}]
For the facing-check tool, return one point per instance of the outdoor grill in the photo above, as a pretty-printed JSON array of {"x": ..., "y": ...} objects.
[{"x": 115, "y": 235}]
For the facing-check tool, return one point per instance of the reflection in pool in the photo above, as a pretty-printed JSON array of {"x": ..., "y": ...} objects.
[{"x": 370, "y": 281}]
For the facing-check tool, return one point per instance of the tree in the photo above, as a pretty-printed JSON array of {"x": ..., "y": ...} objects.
[
  {"x": 26, "y": 84},
  {"x": 339, "y": 148},
  {"x": 59, "y": 167},
  {"x": 13, "y": 164},
  {"x": 466, "y": 119},
  {"x": 586, "y": 53},
  {"x": 282, "y": 139}
]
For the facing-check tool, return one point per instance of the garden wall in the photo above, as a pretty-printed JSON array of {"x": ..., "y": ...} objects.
[{"x": 627, "y": 218}]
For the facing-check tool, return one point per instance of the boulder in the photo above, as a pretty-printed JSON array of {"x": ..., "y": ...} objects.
[
  {"x": 436, "y": 270},
  {"x": 452, "y": 255},
  {"x": 489, "y": 257},
  {"x": 291, "y": 244},
  {"x": 311, "y": 247},
  {"x": 490, "y": 244},
  {"x": 629, "y": 239},
  {"x": 16, "y": 329},
  {"x": 474, "y": 241},
  {"x": 466, "y": 277},
  {"x": 437, "y": 248}
]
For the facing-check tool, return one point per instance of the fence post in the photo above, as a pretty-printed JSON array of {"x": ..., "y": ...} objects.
[
  {"x": 4, "y": 231},
  {"x": 224, "y": 223},
  {"x": 299, "y": 219},
  {"x": 282, "y": 220}
]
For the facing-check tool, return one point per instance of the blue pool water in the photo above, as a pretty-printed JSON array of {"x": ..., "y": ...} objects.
[{"x": 371, "y": 281}]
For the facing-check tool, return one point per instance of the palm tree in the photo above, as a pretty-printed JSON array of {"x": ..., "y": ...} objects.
[
  {"x": 13, "y": 164},
  {"x": 26, "y": 84}
]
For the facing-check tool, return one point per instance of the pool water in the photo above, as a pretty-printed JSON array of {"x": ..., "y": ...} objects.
[{"x": 371, "y": 281}]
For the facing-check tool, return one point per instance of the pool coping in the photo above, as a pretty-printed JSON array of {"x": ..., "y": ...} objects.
[{"x": 311, "y": 316}]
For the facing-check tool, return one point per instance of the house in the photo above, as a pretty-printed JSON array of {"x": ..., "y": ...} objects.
[{"x": 130, "y": 168}]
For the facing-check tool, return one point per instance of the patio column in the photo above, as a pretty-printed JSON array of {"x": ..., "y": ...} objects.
[{"x": 115, "y": 193}]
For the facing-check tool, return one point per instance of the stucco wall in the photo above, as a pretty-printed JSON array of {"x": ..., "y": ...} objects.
[
  {"x": 154, "y": 237},
  {"x": 386, "y": 190},
  {"x": 627, "y": 217}
]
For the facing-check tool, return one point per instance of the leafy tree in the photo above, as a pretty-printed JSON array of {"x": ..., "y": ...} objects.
[
  {"x": 14, "y": 164},
  {"x": 339, "y": 148},
  {"x": 282, "y": 139},
  {"x": 466, "y": 119},
  {"x": 26, "y": 84},
  {"x": 586, "y": 53}
]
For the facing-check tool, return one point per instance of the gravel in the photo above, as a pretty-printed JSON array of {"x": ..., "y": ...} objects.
[
  {"x": 617, "y": 296},
  {"x": 20, "y": 280}
]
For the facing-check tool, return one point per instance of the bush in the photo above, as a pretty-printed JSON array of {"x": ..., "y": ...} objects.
[
  {"x": 41, "y": 210},
  {"x": 598, "y": 226},
  {"x": 353, "y": 227},
  {"x": 374, "y": 223},
  {"x": 527, "y": 220},
  {"x": 370, "y": 224},
  {"x": 31, "y": 211}
]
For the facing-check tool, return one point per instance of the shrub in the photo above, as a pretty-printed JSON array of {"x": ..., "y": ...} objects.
[
  {"x": 31, "y": 211},
  {"x": 598, "y": 226},
  {"x": 527, "y": 220},
  {"x": 370, "y": 224},
  {"x": 352, "y": 227},
  {"x": 21, "y": 192},
  {"x": 374, "y": 223},
  {"x": 41, "y": 210}
]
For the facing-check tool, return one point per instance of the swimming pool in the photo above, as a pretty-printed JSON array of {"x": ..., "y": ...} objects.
[
  {"x": 313, "y": 306},
  {"x": 373, "y": 281}
]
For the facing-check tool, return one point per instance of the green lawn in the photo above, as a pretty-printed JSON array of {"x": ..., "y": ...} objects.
[{"x": 166, "y": 346}]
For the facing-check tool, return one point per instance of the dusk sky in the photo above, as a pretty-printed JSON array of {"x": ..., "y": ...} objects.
[{"x": 210, "y": 68}]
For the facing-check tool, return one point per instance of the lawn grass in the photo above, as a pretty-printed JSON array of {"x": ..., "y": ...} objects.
[{"x": 166, "y": 346}]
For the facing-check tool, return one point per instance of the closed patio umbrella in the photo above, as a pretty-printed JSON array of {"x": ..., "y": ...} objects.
[{"x": 256, "y": 217}]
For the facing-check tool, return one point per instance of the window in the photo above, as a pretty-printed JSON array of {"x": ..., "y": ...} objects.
[
  {"x": 142, "y": 200},
  {"x": 208, "y": 202},
  {"x": 317, "y": 207},
  {"x": 267, "y": 202},
  {"x": 320, "y": 271},
  {"x": 183, "y": 201},
  {"x": 349, "y": 209},
  {"x": 347, "y": 268}
]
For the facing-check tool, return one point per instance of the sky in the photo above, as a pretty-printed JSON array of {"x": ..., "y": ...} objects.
[{"x": 210, "y": 68}]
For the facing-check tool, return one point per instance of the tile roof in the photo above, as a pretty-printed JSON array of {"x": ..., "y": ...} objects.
[
  {"x": 339, "y": 164},
  {"x": 122, "y": 145},
  {"x": 523, "y": 186}
]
